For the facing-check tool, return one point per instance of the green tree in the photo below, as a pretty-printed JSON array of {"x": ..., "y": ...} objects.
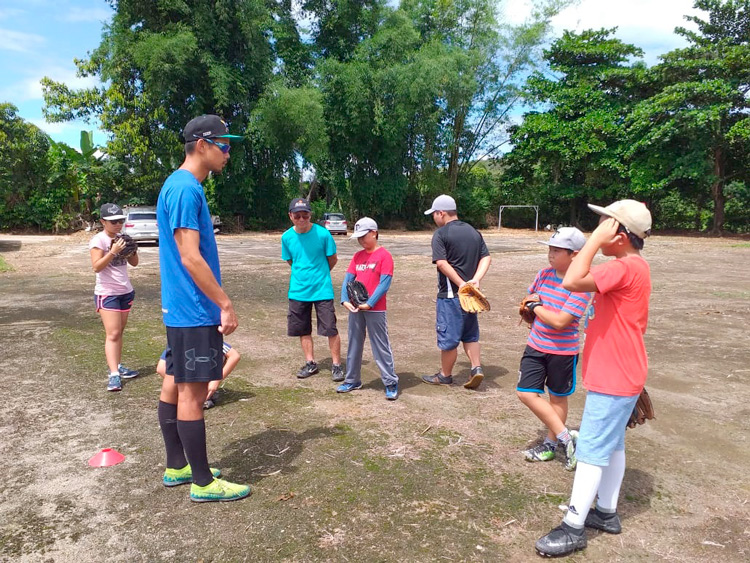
[
  {"x": 693, "y": 134},
  {"x": 573, "y": 151},
  {"x": 23, "y": 170},
  {"x": 163, "y": 63},
  {"x": 485, "y": 60}
]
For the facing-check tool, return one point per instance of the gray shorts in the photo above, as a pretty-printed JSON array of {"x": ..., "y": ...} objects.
[{"x": 299, "y": 318}]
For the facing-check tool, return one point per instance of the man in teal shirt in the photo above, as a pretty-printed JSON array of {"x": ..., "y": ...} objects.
[{"x": 311, "y": 252}]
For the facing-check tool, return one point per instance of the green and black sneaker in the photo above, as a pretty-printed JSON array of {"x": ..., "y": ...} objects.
[{"x": 542, "y": 452}]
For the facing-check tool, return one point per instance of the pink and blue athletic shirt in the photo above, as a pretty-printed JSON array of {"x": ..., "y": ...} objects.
[{"x": 545, "y": 338}]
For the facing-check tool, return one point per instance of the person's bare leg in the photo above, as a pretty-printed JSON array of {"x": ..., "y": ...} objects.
[
  {"x": 447, "y": 361},
  {"x": 560, "y": 404},
  {"x": 473, "y": 351},
  {"x": 307, "y": 347},
  {"x": 168, "y": 390},
  {"x": 112, "y": 321},
  {"x": 334, "y": 345},
  {"x": 544, "y": 411}
]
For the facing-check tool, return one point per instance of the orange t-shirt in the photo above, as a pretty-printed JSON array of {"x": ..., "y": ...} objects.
[{"x": 614, "y": 356}]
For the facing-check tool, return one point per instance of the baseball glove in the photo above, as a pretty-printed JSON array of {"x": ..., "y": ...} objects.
[
  {"x": 643, "y": 410},
  {"x": 526, "y": 308},
  {"x": 357, "y": 293},
  {"x": 472, "y": 300},
  {"x": 130, "y": 245}
]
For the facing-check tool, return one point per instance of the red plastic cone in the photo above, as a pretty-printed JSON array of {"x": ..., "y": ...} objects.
[{"x": 106, "y": 457}]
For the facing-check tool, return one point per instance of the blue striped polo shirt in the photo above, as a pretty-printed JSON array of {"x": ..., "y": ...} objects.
[{"x": 555, "y": 297}]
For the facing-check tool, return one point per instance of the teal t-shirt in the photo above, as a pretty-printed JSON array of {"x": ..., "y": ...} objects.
[{"x": 309, "y": 252}]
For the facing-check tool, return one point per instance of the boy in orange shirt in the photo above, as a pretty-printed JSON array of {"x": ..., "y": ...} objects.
[{"x": 614, "y": 369}]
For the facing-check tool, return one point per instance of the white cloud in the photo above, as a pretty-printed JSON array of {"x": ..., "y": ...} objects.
[
  {"x": 76, "y": 14},
  {"x": 8, "y": 13},
  {"x": 30, "y": 88},
  {"x": 54, "y": 128},
  {"x": 18, "y": 41},
  {"x": 648, "y": 24}
]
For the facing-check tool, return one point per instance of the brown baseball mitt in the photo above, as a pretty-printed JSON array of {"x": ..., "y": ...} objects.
[
  {"x": 643, "y": 410},
  {"x": 472, "y": 300},
  {"x": 130, "y": 245},
  {"x": 526, "y": 308}
]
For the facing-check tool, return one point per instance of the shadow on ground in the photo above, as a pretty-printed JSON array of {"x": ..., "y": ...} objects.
[{"x": 269, "y": 453}]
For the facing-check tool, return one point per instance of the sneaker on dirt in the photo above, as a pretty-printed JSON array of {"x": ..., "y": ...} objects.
[{"x": 310, "y": 368}]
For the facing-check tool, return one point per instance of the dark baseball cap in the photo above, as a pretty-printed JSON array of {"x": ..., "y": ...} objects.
[
  {"x": 299, "y": 204},
  {"x": 207, "y": 127},
  {"x": 111, "y": 212}
]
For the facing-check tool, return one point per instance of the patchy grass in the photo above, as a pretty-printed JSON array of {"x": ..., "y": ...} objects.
[{"x": 4, "y": 266}]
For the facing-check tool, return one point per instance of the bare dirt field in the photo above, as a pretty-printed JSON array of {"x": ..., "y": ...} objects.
[{"x": 434, "y": 476}]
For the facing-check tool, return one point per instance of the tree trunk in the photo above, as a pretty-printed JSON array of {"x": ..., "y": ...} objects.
[
  {"x": 717, "y": 192},
  {"x": 573, "y": 212},
  {"x": 453, "y": 164}
]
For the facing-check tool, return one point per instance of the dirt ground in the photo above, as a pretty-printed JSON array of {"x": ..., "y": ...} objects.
[{"x": 434, "y": 476}]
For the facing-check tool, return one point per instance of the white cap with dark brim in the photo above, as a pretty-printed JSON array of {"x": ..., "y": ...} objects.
[
  {"x": 631, "y": 214},
  {"x": 364, "y": 226},
  {"x": 569, "y": 238}
]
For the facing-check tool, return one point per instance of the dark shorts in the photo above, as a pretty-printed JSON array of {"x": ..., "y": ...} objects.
[
  {"x": 194, "y": 354},
  {"x": 454, "y": 325},
  {"x": 121, "y": 303},
  {"x": 299, "y": 318},
  {"x": 555, "y": 371}
]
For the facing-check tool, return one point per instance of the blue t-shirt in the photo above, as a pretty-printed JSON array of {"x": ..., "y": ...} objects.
[
  {"x": 309, "y": 252},
  {"x": 182, "y": 205}
]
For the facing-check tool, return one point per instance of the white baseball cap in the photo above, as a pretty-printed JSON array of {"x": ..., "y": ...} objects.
[
  {"x": 631, "y": 214},
  {"x": 566, "y": 237},
  {"x": 364, "y": 226},
  {"x": 442, "y": 203}
]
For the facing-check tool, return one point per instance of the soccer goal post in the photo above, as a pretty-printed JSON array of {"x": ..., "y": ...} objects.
[{"x": 503, "y": 207}]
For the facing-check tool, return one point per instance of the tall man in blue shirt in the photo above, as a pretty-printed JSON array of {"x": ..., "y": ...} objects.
[
  {"x": 197, "y": 313},
  {"x": 310, "y": 251}
]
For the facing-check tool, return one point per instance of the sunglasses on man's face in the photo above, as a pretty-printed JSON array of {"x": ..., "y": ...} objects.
[
  {"x": 301, "y": 215},
  {"x": 116, "y": 221},
  {"x": 223, "y": 147}
]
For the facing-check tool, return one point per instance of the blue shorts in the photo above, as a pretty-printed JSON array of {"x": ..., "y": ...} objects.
[
  {"x": 121, "y": 303},
  {"x": 454, "y": 325},
  {"x": 605, "y": 418}
]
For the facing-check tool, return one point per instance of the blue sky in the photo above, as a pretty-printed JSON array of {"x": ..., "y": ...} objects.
[{"x": 42, "y": 37}]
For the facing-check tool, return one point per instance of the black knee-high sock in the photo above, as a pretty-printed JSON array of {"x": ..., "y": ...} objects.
[
  {"x": 193, "y": 436},
  {"x": 172, "y": 443}
]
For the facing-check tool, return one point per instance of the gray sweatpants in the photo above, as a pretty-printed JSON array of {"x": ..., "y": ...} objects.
[{"x": 374, "y": 323}]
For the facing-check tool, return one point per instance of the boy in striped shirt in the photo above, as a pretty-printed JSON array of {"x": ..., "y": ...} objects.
[{"x": 551, "y": 352}]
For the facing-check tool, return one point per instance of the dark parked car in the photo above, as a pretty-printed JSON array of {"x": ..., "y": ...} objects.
[
  {"x": 335, "y": 223},
  {"x": 140, "y": 224}
]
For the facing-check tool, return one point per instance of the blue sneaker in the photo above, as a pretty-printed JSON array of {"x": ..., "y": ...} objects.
[
  {"x": 114, "y": 383},
  {"x": 346, "y": 387},
  {"x": 126, "y": 373},
  {"x": 391, "y": 392}
]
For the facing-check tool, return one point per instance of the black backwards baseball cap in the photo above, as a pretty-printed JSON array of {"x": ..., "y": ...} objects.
[
  {"x": 207, "y": 127},
  {"x": 299, "y": 204}
]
